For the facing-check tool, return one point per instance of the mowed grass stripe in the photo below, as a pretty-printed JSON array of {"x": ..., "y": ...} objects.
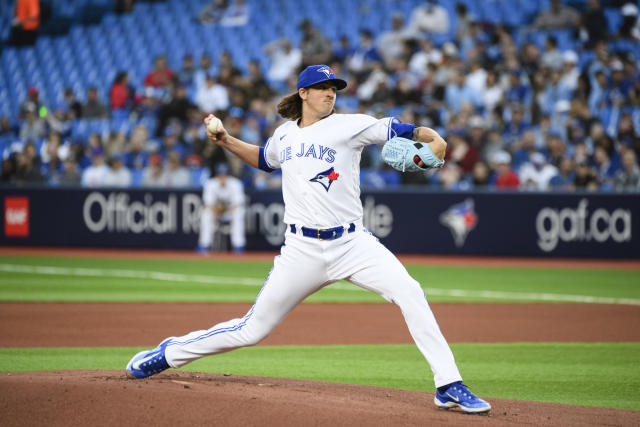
[
  {"x": 464, "y": 294},
  {"x": 591, "y": 374}
]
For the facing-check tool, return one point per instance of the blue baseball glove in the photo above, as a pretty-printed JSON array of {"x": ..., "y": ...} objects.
[{"x": 404, "y": 155}]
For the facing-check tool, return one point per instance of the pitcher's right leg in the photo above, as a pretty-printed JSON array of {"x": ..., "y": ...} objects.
[{"x": 295, "y": 275}]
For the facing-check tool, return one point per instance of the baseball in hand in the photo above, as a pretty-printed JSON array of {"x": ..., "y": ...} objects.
[{"x": 215, "y": 125}]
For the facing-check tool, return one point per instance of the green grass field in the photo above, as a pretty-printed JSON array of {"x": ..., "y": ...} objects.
[
  {"x": 594, "y": 374},
  {"x": 120, "y": 280}
]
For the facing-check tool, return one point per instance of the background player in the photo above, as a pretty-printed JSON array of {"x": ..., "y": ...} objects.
[
  {"x": 223, "y": 199},
  {"x": 318, "y": 152}
]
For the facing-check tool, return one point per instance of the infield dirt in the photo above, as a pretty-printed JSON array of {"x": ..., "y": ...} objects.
[{"x": 173, "y": 398}]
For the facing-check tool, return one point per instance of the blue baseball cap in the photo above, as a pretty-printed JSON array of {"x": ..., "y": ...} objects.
[
  {"x": 317, "y": 74},
  {"x": 222, "y": 169}
]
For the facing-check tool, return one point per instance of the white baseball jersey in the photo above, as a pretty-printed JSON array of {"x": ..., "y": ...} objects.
[
  {"x": 231, "y": 194},
  {"x": 321, "y": 166}
]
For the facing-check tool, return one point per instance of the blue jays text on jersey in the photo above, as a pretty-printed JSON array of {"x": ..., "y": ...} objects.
[{"x": 309, "y": 150}]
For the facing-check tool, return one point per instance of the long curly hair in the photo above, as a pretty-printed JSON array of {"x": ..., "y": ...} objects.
[{"x": 290, "y": 107}]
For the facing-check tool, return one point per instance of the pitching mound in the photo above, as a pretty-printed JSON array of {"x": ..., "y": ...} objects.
[{"x": 63, "y": 398}]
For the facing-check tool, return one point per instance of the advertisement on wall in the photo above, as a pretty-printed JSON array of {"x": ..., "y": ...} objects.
[{"x": 442, "y": 223}]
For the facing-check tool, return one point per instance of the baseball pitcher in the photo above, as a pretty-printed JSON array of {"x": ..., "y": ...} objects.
[{"x": 318, "y": 152}]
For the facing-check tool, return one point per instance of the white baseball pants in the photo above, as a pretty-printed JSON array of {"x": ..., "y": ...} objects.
[
  {"x": 305, "y": 266},
  {"x": 208, "y": 227}
]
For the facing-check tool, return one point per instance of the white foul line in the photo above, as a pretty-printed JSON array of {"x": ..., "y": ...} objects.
[{"x": 248, "y": 281}]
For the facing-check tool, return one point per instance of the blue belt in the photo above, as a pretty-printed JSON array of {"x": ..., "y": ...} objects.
[{"x": 324, "y": 233}]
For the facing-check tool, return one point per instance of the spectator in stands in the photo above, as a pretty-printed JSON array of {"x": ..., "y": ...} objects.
[
  {"x": 59, "y": 121},
  {"x": 552, "y": 57},
  {"x": 32, "y": 128},
  {"x": 450, "y": 176},
  {"x": 204, "y": 69},
  {"x": 176, "y": 175},
  {"x": 627, "y": 135},
  {"x": 530, "y": 59},
  {"x": 136, "y": 156},
  {"x": 461, "y": 152},
  {"x": 457, "y": 93},
  {"x": 178, "y": 108},
  {"x": 236, "y": 14},
  {"x": 585, "y": 178},
  {"x": 517, "y": 92},
  {"x": 516, "y": 126},
  {"x": 28, "y": 166},
  {"x": 604, "y": 167},
  {"x": 564, "y": 179},
  {"x": 523, "y": 148},
  {"x": 630, "y": 27},
  {"x": 504, "y": 177},
  {"x": 570, "y": 73},
  {"x": 429, "y": 18},
  {"x": 73, "y": 106},
  {"x": 223, "y": 199},
  {"x": 50, "y": 157},
  {"x": 153, "y": 174},
  {"x": 31, "y": 103},
  {"x": 593, "y": 27},
  {"x": 212, "y": 12},
  {"x": 9, "y": 165},
  {"x": 343, "y": 50},
  {"x": 391, "y": 44},
  {"x": 420, "y": 60},
  {"x": 94, "y": 175},
  {"x": 375, "y": 87},
  {"x": 599, "y": 91},
  {"x": 628, "y": 177},
  {"x": 619, "y": 86},
  {"x": 171, "y": 141},
  {"x": 406, "y": 90},
  {"x": 118, "y": 175},
  {"x": 71, "y": 175},
  {"x": 465, "y": 22},
  {"x": 93, "y": 108},
  {"x": 536, "y": 174},
  {"x": 285, "y": 60},
  {"x": 187, "y": 72},
  {"x": 364, "y": 57},
  {"x": 480, "y": 175},
  {"x": 315, "y": 47},
  {"x": 557, "y": 17},
  {"x": 228, "y": 72},
  {"x": 255, "y": 86},
  {"x": 555, "y": 149},
  {"x": 212, "y": 97},
  {"x": 26, "y": 22},
  {"x": 492, "y": 93},
  {"x": 121, "y": 94},
  {"x": 160, "y": 76}
]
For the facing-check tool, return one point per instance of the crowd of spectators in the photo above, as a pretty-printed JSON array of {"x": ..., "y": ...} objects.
[{"x": 516, "y": 114}]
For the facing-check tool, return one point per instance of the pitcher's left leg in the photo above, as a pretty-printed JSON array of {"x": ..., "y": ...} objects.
[{"x": 378, "y": 270}]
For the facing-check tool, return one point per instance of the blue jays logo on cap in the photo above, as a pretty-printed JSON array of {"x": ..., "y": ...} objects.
[
  {"x": 319, "y": 73},
  {"x": 326, "y": 178},
  {"x": 461, "y": 218}
]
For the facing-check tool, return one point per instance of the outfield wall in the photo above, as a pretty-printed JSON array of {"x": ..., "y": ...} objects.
[{"x": 506, "y": 224}]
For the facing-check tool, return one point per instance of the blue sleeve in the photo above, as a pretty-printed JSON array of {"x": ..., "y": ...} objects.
[
  {"x": 262, "y": 162},
  {"x": 404, "y": 130}
]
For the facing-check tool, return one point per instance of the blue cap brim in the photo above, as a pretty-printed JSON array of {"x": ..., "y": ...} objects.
[{"x": 340, "y": 84}]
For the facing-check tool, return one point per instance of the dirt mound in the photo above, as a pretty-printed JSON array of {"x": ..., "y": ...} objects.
[{"x": 101, "y": 398}]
